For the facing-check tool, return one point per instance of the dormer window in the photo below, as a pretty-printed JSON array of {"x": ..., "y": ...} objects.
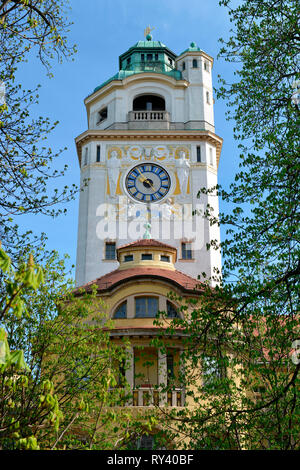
[{"x": 102, "y": 115}]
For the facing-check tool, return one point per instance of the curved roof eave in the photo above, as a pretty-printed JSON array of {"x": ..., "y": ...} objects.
[{"x": 135, "y": 76}]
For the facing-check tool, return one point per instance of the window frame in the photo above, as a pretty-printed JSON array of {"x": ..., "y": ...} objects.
[
  {"x": 124, "y": 303},
  {"x": 109, "y": 258},
  {"x": 186, "y": 251},
  {"x": 147, "y": 297}
]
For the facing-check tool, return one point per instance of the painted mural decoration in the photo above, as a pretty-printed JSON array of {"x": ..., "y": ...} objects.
[{"x": 176, "y": 159}]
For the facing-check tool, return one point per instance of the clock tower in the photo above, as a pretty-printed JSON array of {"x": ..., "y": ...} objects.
[{"x": 149, "y": 148}]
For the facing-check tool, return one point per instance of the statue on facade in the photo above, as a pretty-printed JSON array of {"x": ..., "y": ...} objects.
[
  {"x": 183, "y": 168},
  {"x": 113, "y": 167}
]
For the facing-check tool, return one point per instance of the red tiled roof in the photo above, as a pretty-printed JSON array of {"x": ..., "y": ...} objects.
[
  {"x": 114, "y": 278},
  {"x": 147, "y": 242}
]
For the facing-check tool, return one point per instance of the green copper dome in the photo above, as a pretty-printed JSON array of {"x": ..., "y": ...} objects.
[
  {"x": 146, "y": 56},
  {"x": 193, "y": 48}
]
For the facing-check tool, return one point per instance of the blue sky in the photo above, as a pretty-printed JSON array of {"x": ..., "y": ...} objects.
[{"x": 103, "y": 30}]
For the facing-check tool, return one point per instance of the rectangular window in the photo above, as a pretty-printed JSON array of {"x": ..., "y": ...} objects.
[
  {"x": 128, "y": 258},
  {"x": 206, "y": 66},
  {"x": 207, "y": 97},
  {"x": 149, "y": 57},
  {"x": 86, "y": 153},
  {"x": 211, "y": 158},
  {"x": 186, "y": 251},
  {"x": 142, "y": 57},
  {"x": 165, "y": 258},
  {"x": 146, "y": 256},
  {"x": 156, "y": 56},
  {"x": 110, "y": 250},
  {"x": 146, "y": 307},
  {"x": 98, "y": 156},
  {"x": 198, "y": 153}
]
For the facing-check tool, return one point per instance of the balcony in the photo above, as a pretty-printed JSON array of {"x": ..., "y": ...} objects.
[
  {"x": 147, "y": 396},
  {"x": 148, "y": 119}
]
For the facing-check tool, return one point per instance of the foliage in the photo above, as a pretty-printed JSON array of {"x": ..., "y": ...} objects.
[
  {"x": 26, "y": 167},
  {"x": 248, "y": 323},
  {"x": 58, "y": 399}
]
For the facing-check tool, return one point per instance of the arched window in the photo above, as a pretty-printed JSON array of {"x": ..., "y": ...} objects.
[
  {"x": 121, "y": 311},
  {"x": 149, "y": 103},
  {"x": 195, "y": 63},
  {"x": 172, "y": 311},
  {"x": 183, "y": 65}
]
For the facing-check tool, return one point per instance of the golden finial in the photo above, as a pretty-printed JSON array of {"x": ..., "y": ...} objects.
[{"x": 147, "y": 31}]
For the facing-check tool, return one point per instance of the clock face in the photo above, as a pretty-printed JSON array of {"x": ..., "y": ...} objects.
[{"x": 148, "y": 182}]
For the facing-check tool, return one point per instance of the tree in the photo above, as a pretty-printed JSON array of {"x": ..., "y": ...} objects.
[
  {"x": 59, "y": 380},
  {"x": 245, "y": 331},
  {"x": 26, "y": 27}
]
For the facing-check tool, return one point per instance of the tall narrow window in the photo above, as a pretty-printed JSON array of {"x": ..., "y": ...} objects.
[
  {"x": 102, "y": 115},
  {"x": 183, "y": 65},
  {"x": 186, "y": 251},
  {"x": 211, "y": 158},
  {"x": 142, "y": 57},
  {"x": 156, "y": 56},
  {"x": 195, "y": 63},
  {"x": 110, "y": 250},
  {"x": 207, "y": 97},
  {"x": 98, "y": 156},
  {"x": 198, "y": 153},
  {"x": 86, "y": 154}
]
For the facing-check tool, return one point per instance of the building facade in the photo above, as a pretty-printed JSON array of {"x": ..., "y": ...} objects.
[{"x": 149, "y": 148}]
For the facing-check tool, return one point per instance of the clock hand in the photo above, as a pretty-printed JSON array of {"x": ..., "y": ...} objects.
[{"x": 142, "y": 178}]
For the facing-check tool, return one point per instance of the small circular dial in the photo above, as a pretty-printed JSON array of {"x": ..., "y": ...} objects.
[{"x": 148, "y": 182}]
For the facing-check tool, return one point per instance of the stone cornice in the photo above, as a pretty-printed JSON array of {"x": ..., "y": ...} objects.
[{"x": 115, "y": 135}]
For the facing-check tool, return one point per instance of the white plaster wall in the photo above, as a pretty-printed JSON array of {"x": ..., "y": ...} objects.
[{"x": 90, "y": 251}]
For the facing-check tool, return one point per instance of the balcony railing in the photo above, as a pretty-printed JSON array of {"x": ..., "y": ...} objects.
[
  {"x": 146, "y": 396},
  {"x": 148, "y": 116}
]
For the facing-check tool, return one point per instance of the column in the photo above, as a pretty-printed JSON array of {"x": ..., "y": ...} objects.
[
  {"x": 129, "y": 373},
  {"x": 162, "y": 376}
]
